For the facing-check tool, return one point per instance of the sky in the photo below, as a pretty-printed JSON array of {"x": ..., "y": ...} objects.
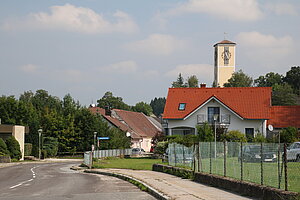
[{"x": 137, "y": 48}]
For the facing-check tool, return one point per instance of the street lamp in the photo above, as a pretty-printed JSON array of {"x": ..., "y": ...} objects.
[
  {"x": 215, "y": 120},
  {"x": 40, "y": 133}
]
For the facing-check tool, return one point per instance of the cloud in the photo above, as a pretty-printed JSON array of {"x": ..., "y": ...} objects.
[
  {"x": 29, "y": 68},
  {"x": 157, "y": 44},
  {"x": 235, "y": 10},
  {"x": 123, "y": 67},
  {"x": 257, "y": 45},
  {"x": 282, "y": 8},
  {"x": 204, "y": 72},
  {"x": 75, "y": 19}
]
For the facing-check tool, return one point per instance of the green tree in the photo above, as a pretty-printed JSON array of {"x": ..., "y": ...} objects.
[
  {"x": 192, "y": 81},
  {"x": 158, "y": 105},
  {"x": 269, "y": 80},
  {"x": 283, "y": 95},
  {"x": 292, "y": 77},
  {"x": 205, "y": 132},
  {"x": 50, "y": 145},
  {"x": 3, "y": 148},
  {"x": 239, "y": 79},
  {"x": 143, "y": 107},
  {"x": 288, "y": 135},
  {"x": 179, "y": 83},
  {"x": 235, "y": 136},
  {"x": 114, "y": 102},
  {"x": 13, "y": 147}
]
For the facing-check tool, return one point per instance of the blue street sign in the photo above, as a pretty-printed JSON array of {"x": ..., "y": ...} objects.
[{"x": 103, "y": 138}]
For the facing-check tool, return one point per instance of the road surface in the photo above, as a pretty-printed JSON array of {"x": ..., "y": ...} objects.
[{"x": 56, "y": 181}]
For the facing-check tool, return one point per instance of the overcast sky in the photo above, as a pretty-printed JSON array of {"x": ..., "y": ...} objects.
[{"x": 136, "y": 48}]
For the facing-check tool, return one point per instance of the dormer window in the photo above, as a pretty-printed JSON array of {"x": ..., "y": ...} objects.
[{"x": 181, "y": 106}]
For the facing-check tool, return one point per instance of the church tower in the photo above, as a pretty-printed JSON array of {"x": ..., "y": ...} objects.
[{"x": 224, "y": 62}]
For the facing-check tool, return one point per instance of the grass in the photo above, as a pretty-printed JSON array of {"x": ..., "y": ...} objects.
[
  {"x": 127, "y": 163},
  {"x": 252, "y": 172}
]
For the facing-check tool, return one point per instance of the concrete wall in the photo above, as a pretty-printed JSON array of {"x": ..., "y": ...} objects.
[
  {"x": 144, "y": 143},
  {"x": 19, "y": 133},
  {"x": 235, "y": 122}
]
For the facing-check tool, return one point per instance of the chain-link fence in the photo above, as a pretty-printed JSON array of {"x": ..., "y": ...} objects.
[{"x": 269, "y": 164}]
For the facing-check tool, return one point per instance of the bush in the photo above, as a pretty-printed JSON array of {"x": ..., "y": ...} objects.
[
  {"x": 234, "y": 136},
  {"x": 3, "y": 148},
  {"x": 50, "y": 146},
  {"x": 13, "y": 147},
  {"x": 27, "y": 149},
  {"x": 161, "y": 147},
  {"x": 259, "y": 138},
  {"x": 288, "y": 135},
  {"x": 205, "y": 132}
]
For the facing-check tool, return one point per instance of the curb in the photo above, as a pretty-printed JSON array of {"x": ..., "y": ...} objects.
[{"x": 143, "y": 186}]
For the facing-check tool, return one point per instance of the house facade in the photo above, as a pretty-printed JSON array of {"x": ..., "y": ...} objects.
[
  {"x": 243, "y": 109},
  {"x": 139, "y": 127}
]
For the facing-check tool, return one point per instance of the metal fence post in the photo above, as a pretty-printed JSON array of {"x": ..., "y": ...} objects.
[
  {"x": 210, "y": 157},
  {"x": 194, "y": 157},
  {"x": 285, "y": 169},
  {"x": 225, "y": 158},
  {"x": 278, "y": 165},
  {"x": 183, "y": 156},
  {"x": 241, "y": 157},
  {"x": 199, "y": 158},
  {"x": 261, "y": 165},
  {"x": 174, "y": 145}
]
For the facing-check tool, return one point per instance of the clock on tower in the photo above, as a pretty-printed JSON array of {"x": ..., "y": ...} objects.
[{"x": 224, "y": 62}]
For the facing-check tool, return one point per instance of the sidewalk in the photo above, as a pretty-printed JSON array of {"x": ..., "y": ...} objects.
[{"x": 173, "y": 187}]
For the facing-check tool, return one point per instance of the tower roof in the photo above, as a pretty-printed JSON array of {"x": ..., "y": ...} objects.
[{"x": 225, "y": 42}]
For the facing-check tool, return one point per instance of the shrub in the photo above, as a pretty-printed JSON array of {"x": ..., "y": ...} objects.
[
  {"x": 161, "y": 147},
  {"x": 288, "y": 135},
  {"x": 259, "y": 138},
  {"x": 205, "y": 132},
  {"x": 3, "y": 148},
  {"x": 13, "y": 147},
  {"x": 234, "y": 136},
  {"x": 27, "y": 149}
]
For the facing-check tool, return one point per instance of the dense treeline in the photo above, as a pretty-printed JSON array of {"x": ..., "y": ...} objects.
[{"x": 72, "y": 124}]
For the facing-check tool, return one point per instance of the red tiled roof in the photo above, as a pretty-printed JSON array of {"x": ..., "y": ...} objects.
[
  {"x": 225, "y": 42},
  {"x": 247, "y": 102},
  {"x": 285, "y": 116},
  {"x": 138, "y": 122},
  {"x": 112, "y": 120}
]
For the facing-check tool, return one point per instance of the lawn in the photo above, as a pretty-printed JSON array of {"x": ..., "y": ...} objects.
[
  {"x": 126, "y": 163},
  {"x": 252, "y": 172}
]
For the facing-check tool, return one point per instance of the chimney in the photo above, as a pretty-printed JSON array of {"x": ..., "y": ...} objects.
[
  {"x": 202, "y": 85},
  {"x": 107, "y": 110}
]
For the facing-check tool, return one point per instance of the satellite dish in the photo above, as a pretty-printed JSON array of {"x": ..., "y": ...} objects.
[{"x": 270, "y": 127}]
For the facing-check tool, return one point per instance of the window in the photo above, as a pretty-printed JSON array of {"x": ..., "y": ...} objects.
[
  {"x": 249, "y": 132},
  {"x": 211, "y": 112},
  {"x": 181, "y": 106}
]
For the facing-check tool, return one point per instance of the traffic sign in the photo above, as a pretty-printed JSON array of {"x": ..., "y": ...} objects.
[{"x": 103, "y": 138}]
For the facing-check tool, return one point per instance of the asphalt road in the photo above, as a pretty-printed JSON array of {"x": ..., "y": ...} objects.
[{"x": 56, "y": 181}]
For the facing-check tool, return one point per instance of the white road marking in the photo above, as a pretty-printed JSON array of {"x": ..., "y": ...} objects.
[{"x": 33, "y": 177}]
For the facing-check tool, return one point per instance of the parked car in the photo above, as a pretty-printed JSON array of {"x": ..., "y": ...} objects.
[
  {"x": 137, "y": 151},
  {"x": 293, "y": 152},
  {"x": 251, "y": 153}
]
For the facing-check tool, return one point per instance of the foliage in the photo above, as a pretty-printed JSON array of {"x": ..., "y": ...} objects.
[
  {"x": 205, "y": 132},
  {"x": 186, "y": 140},
  {"x": 50, "y": 145},
  {"x": 234, "y": 136},
  {"x": 143, "y": 107},
  {"x": 192, "y": 81},
  {"x": 113, "y": 102},
  {"x": 161, "y": 147},
  {"x": 293, "y": 78},
  {"x": 13, "y": 147},
  {"x": 288, "y": 135},
  {"x": 239, "y": 79},
  {"x": 283, "y": 95},
  {"x": 269, "y": 80},
  {"x": 27, "y": 149},
  {"x": 179, "y": 83},
  {"x": 158, "y": 105},
  {"x": 259, "y": 138},
  {"x": 3, "y": 148}
]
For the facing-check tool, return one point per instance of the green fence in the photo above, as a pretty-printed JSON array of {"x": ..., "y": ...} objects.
[{"x": 261, "y": 163}]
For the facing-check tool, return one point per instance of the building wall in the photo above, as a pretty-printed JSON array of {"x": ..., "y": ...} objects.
[
  {"x": 18, "y": 133},
  {"x": 235, "y": 122},
  {"x": 144, "y": 143}
]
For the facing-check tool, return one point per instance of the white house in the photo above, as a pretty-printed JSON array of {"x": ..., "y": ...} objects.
[{"x": 245, "y": 109}]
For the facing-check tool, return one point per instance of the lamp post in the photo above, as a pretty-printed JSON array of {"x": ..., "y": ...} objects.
[
  {"x": 95, "y": 134},
  {"x": 40, "y": 133},
  {"x": 215, "y": 120}
]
